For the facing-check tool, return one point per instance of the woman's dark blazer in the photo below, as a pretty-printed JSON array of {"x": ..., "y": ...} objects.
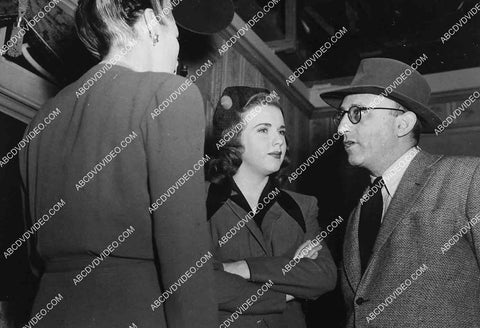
[
  {"x": 290, "y": 221},
  {"x": 166, "y": 242}
]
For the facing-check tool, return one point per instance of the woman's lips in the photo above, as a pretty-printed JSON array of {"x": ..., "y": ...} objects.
[{"x": 276, "y": 154}]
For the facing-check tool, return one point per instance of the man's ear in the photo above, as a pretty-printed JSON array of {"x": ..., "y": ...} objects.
[{"x": 405, "y": 123}]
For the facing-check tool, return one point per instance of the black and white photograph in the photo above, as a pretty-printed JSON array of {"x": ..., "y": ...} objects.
[{"x": 239, "y": 164}]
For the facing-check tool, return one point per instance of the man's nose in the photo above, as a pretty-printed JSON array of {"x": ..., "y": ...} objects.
[{"x": 345, "y": 125}]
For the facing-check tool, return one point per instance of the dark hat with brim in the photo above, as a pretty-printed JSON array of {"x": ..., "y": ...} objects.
[
  {"x": 394, "y": 80},
  {"x": 203, "y": 16}
]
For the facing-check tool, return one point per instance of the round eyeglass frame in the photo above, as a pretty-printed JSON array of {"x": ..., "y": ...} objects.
[{"x": 355, "y": 113}]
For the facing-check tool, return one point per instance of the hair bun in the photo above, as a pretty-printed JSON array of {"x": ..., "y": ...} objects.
[{"x": 132, "y": 7}]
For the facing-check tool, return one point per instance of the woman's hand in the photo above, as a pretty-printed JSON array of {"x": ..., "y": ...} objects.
[
  {"x": 240, "y": 268},
  {"x": 307, "y": 250}
]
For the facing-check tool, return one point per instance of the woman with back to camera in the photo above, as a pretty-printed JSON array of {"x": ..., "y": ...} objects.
[
  {"x": 259, "y": 250},
  {"x": 108, "y": 251}
]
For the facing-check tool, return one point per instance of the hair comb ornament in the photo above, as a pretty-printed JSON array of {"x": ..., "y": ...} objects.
[{"x": 226, "y": 102}]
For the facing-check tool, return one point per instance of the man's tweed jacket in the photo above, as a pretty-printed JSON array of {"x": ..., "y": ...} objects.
[{"x": 433, "y": 222}]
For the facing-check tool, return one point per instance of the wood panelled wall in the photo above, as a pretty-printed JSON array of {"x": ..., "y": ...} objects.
[
  {"x": 462, "y": 137},
  {"x": 232, "y": 69}
]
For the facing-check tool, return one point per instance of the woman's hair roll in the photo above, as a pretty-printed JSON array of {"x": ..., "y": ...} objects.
[{"x": 103, "y": 23}]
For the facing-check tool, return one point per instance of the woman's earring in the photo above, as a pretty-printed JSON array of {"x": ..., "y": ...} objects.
[{"x": 155, "y": 39}]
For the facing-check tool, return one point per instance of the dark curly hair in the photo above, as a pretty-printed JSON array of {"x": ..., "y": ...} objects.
[
  {"x": 228, "y": 155},
  {"x": 102, "y": 23}
]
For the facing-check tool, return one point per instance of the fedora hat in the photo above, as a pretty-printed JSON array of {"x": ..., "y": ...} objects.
[
  {"x": 394, "y": 80},
  {"x": 203, "y": 16}
]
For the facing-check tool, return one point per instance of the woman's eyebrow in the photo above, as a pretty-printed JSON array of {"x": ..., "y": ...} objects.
[{"x": 267, "y": 124}]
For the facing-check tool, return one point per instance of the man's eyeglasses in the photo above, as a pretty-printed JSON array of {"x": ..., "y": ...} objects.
[{"x": 355, "y": 113}]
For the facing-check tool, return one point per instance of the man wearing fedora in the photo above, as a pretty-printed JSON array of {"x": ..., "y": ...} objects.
[{"x": 411, "y": 254}]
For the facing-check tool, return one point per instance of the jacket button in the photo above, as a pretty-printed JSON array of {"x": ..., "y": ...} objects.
[{"x": 360, "y": 301}]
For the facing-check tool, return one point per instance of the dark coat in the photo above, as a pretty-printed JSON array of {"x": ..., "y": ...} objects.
[
  {"x": 435, "y": 199},
  {"x": 289, "y": 220},
  {"x": 165, "y": 243}
]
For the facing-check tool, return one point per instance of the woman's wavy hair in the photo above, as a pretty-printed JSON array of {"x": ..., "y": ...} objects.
[
  {"x": 227, "y": 158},
  {"x": 103, "y": 23}
]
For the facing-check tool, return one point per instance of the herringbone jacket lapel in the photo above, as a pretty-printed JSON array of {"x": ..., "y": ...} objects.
[
  {"x": 351, "y": 251},
  {"x": 413, "y": 181}
]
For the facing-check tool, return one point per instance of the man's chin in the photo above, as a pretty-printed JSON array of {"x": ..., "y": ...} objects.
[{"x": 354, "y": 160}]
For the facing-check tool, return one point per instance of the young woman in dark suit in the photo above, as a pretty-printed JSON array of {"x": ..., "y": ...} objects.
[
  {"x": 109, "y": 156},
  {"x": 257, "y": 227}
]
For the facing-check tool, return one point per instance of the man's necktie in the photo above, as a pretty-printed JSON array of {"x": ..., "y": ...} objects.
[{"x": 370, "y": 221}]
